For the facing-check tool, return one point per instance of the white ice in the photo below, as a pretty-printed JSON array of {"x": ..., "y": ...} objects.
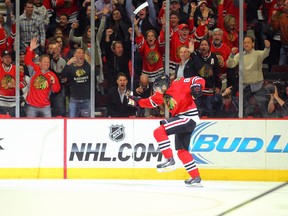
[{"x": 139, "y": 198}]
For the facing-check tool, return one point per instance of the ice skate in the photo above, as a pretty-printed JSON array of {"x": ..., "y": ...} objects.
[
  {"x": 167, "y": 166},
  {"x": 193, "y": 182}
]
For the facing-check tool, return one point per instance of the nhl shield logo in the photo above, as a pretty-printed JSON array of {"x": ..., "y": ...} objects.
[{"x": 117, "y": 133}]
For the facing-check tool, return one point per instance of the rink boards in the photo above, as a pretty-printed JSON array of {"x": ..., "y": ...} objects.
[{"x": 126, "y": 149}]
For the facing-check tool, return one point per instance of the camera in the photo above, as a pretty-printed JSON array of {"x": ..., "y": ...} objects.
[{"x": 269, "y": 88}]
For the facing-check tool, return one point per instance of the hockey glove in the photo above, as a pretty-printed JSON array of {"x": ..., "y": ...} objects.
[
  {"x": 196, "y": 90},
  {"x": 133, "y": 101}
]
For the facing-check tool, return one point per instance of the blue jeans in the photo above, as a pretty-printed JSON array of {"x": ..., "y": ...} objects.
[
  {"x": 7, "y": 110},
  {"x": 58, "y": 103},
  {"x": 38, "y": 111},
  {"x": 79, "y": 108}
]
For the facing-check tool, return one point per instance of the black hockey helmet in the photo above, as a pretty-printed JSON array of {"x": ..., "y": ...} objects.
[{"x": 161, "y": 83}]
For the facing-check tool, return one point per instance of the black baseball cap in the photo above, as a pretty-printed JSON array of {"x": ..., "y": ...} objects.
[{"x": 6, "y": 53}]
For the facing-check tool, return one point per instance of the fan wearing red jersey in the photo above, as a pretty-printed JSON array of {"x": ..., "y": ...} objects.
[
  {"x": 179, "y": 99},
  {"x": 42, "y": 83},
  {"x": 8, "y": 84},
  {"x": 150, "y": 51}
]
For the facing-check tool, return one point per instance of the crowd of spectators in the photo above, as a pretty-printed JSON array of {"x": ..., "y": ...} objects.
[{"x": 55, "y": 55}]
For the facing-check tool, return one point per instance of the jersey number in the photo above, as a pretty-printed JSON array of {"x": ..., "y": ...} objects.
[{"x": 186, "y": 80}]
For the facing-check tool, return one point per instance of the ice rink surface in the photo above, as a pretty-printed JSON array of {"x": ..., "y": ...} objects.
[{"x": 141, "y": 198}]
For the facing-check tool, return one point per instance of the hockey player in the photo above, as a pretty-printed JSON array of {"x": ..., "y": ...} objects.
[{"x": 178, "y": 96}]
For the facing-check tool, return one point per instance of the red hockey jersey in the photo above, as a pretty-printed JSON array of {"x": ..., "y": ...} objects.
[
  {"x": 8, "y": 85},
  {"x": 40, "y": 84},
  {"x": 232, "y": 38},
  {"x": 177, "y": 98},
  {"x": 151, "y": 56},
  {"x": 7, "y": 43}
]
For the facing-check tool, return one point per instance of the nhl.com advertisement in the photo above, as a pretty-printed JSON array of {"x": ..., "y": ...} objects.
[
  {"x": 127, "y": 143},
  {"x": 112, "y": 143}
]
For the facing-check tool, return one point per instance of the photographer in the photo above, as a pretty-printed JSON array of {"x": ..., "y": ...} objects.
[{"x": 272, "y": 90}]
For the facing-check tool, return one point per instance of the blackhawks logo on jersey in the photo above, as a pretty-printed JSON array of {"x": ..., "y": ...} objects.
[
  {"x": 169, "y": 102},
  {"x": 152, "y": 57},
  {"x": 206, "y": 71},
  {"x": 40, "y": 82},
  {"x": 8, "y": 82},
  {"x": 80, "y": 72}
]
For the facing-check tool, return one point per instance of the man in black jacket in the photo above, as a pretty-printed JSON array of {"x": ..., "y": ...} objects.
[
  {"x": 116, "y": 100},
  {"x": 186, "y": 68}
]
